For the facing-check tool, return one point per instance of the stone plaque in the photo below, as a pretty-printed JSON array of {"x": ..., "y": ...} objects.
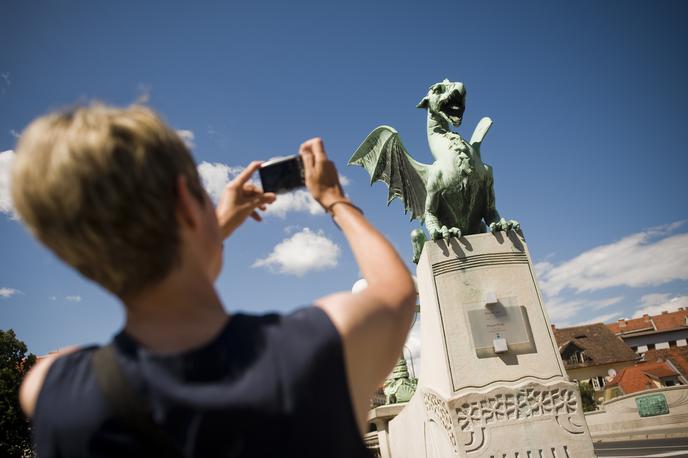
[
  {"x": 501, "y": 320},
  {"x": 652, "y": 405}
]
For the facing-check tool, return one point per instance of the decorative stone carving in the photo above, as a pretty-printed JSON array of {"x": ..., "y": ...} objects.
[
  {"x": 475, "y": 413},
  {"x": 436, "y": 409},
  {"x": 399, "y": 386},
  {"x": 519, "y": 405},
  {"x": 468, "y": 419},
  {"x": 556, "y": 451}
]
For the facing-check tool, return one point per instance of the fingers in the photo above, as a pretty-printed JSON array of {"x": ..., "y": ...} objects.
[
  {"x": 267, "y": 198},
  {"x": 250, "y": 188},
  {"x": 313, "y": 150},
  {"x": 261, "y": 202},
  {"x": 253, "y": 191},
  {"x": 318, "y": 150},
  {"x": 307, "y": 156},
  {"x": 245, "y": 174}
]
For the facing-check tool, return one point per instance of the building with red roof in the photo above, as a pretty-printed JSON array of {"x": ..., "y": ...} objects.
[
  {"x": 644, "y": 376},
  {"x": 677, "y": 356},
  {"x": 592, "y": 353},
  {"x": 650, "y": 332}
]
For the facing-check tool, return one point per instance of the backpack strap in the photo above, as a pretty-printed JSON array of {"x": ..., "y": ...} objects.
[{"x": 129, "y": 407}]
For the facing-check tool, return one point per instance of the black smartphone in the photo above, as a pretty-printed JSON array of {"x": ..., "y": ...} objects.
[{"x": 282, "y": 175}]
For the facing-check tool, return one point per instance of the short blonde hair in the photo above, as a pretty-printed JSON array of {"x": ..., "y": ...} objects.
[{"x": 98, "y": 186}]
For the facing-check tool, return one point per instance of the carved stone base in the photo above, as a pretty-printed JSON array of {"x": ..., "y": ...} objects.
[
  {"x": 531, "y": 420},
  {"x": 480, "y": 420},
  {"x": 475, "y": 398}
]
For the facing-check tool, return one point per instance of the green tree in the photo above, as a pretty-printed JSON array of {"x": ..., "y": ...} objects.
[
  {"x": 587, "y": 397},
  {"x": 15, "y": 432}
]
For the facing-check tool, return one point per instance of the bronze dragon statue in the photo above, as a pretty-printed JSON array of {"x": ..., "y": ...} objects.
[{"x": 453, "y": 196}]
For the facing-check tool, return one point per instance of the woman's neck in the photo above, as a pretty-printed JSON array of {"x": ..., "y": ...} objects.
[{"x": 181, "y": 312}]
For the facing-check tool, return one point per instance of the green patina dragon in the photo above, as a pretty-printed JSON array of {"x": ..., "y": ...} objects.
[{"x": 455, "y": 195}]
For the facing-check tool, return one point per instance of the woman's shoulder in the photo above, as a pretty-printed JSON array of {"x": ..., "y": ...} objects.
[{"x": 54, "y": 362}]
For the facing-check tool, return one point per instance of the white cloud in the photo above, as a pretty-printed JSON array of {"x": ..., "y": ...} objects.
[
  {"x": 568, "y": 312},
  {"x": 656, "y": 303},
  {"x": 53, "y": 298},
  {"x": 8, "y": 292},
  {"x": 344, "y": 181},
  {"x": 291, "y": 229},
  {"x": 605, "y": 318},
  {"x": 541, "y": 268},
  {"x": 74, "y": 298},
  {"x": 296, "y": 201},
  {"x": 602, "y": 303},
  {"x": 187, "y": 137},
  {"x": 15, "y": 134},
  {"x": 649, "y": 258},
  {"x": 303, "y": 252},
  {"x": 215, "y": 177},
  {"x": 6, "y": 159}
]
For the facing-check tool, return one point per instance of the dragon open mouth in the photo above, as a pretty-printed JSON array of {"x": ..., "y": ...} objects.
[{"x": 453, "y": 107}]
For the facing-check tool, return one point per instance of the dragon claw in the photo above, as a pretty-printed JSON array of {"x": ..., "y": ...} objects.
[
  {"x": 445, "y": 232},
  {"x": 455, "y": 232},
  {"x": 504, "y": 225}
]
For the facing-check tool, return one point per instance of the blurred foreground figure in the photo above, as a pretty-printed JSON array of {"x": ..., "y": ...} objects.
[{"x": 116, "y": 195}]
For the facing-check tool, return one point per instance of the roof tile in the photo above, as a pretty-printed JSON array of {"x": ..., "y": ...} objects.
[
  {"x": 598, "y": 342},
  {"x": 666, "y": 321},
  {"x": 671, "y": 320},
  {"x": 639, "y": 377},
  {"x": 643, "y": 323},
  {"x": 678, "y": 356}
]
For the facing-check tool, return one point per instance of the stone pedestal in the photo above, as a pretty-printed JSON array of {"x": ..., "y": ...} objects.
[{"x": 492, "y": 383}]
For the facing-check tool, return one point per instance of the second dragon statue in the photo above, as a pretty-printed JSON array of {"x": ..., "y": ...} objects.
[{"x": 454, "y": 195}]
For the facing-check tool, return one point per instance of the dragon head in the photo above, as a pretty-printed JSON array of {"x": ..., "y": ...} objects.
[{"x": 447, "y": 100}]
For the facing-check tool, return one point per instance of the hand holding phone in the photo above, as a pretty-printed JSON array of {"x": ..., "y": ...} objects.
[
  {"x": 241, "y": 199},
  {"x": 322, "y": 179}
]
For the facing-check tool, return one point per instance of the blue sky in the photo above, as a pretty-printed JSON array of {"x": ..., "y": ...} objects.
[{"x": 588, "y": 147}]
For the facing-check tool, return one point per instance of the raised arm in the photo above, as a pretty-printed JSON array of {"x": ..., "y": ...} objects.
[{"x": 373, "y": 324}]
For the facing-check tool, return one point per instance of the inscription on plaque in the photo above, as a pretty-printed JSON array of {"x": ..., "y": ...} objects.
[
  {"x": 501, "y": 320},
  {"x": 652, "y": 405}
]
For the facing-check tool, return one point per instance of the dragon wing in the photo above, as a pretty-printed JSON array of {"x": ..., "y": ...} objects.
[
  {"x": 384, "y": 157},
  {"x": 479, "y": 133}
]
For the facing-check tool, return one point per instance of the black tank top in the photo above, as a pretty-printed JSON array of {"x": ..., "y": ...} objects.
[{"x": 267, "y": 385}]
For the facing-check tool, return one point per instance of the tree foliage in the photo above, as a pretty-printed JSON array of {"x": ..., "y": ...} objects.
[
  {"x": 587, "y": 397},
  {"x": 15, "y": 433}
]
